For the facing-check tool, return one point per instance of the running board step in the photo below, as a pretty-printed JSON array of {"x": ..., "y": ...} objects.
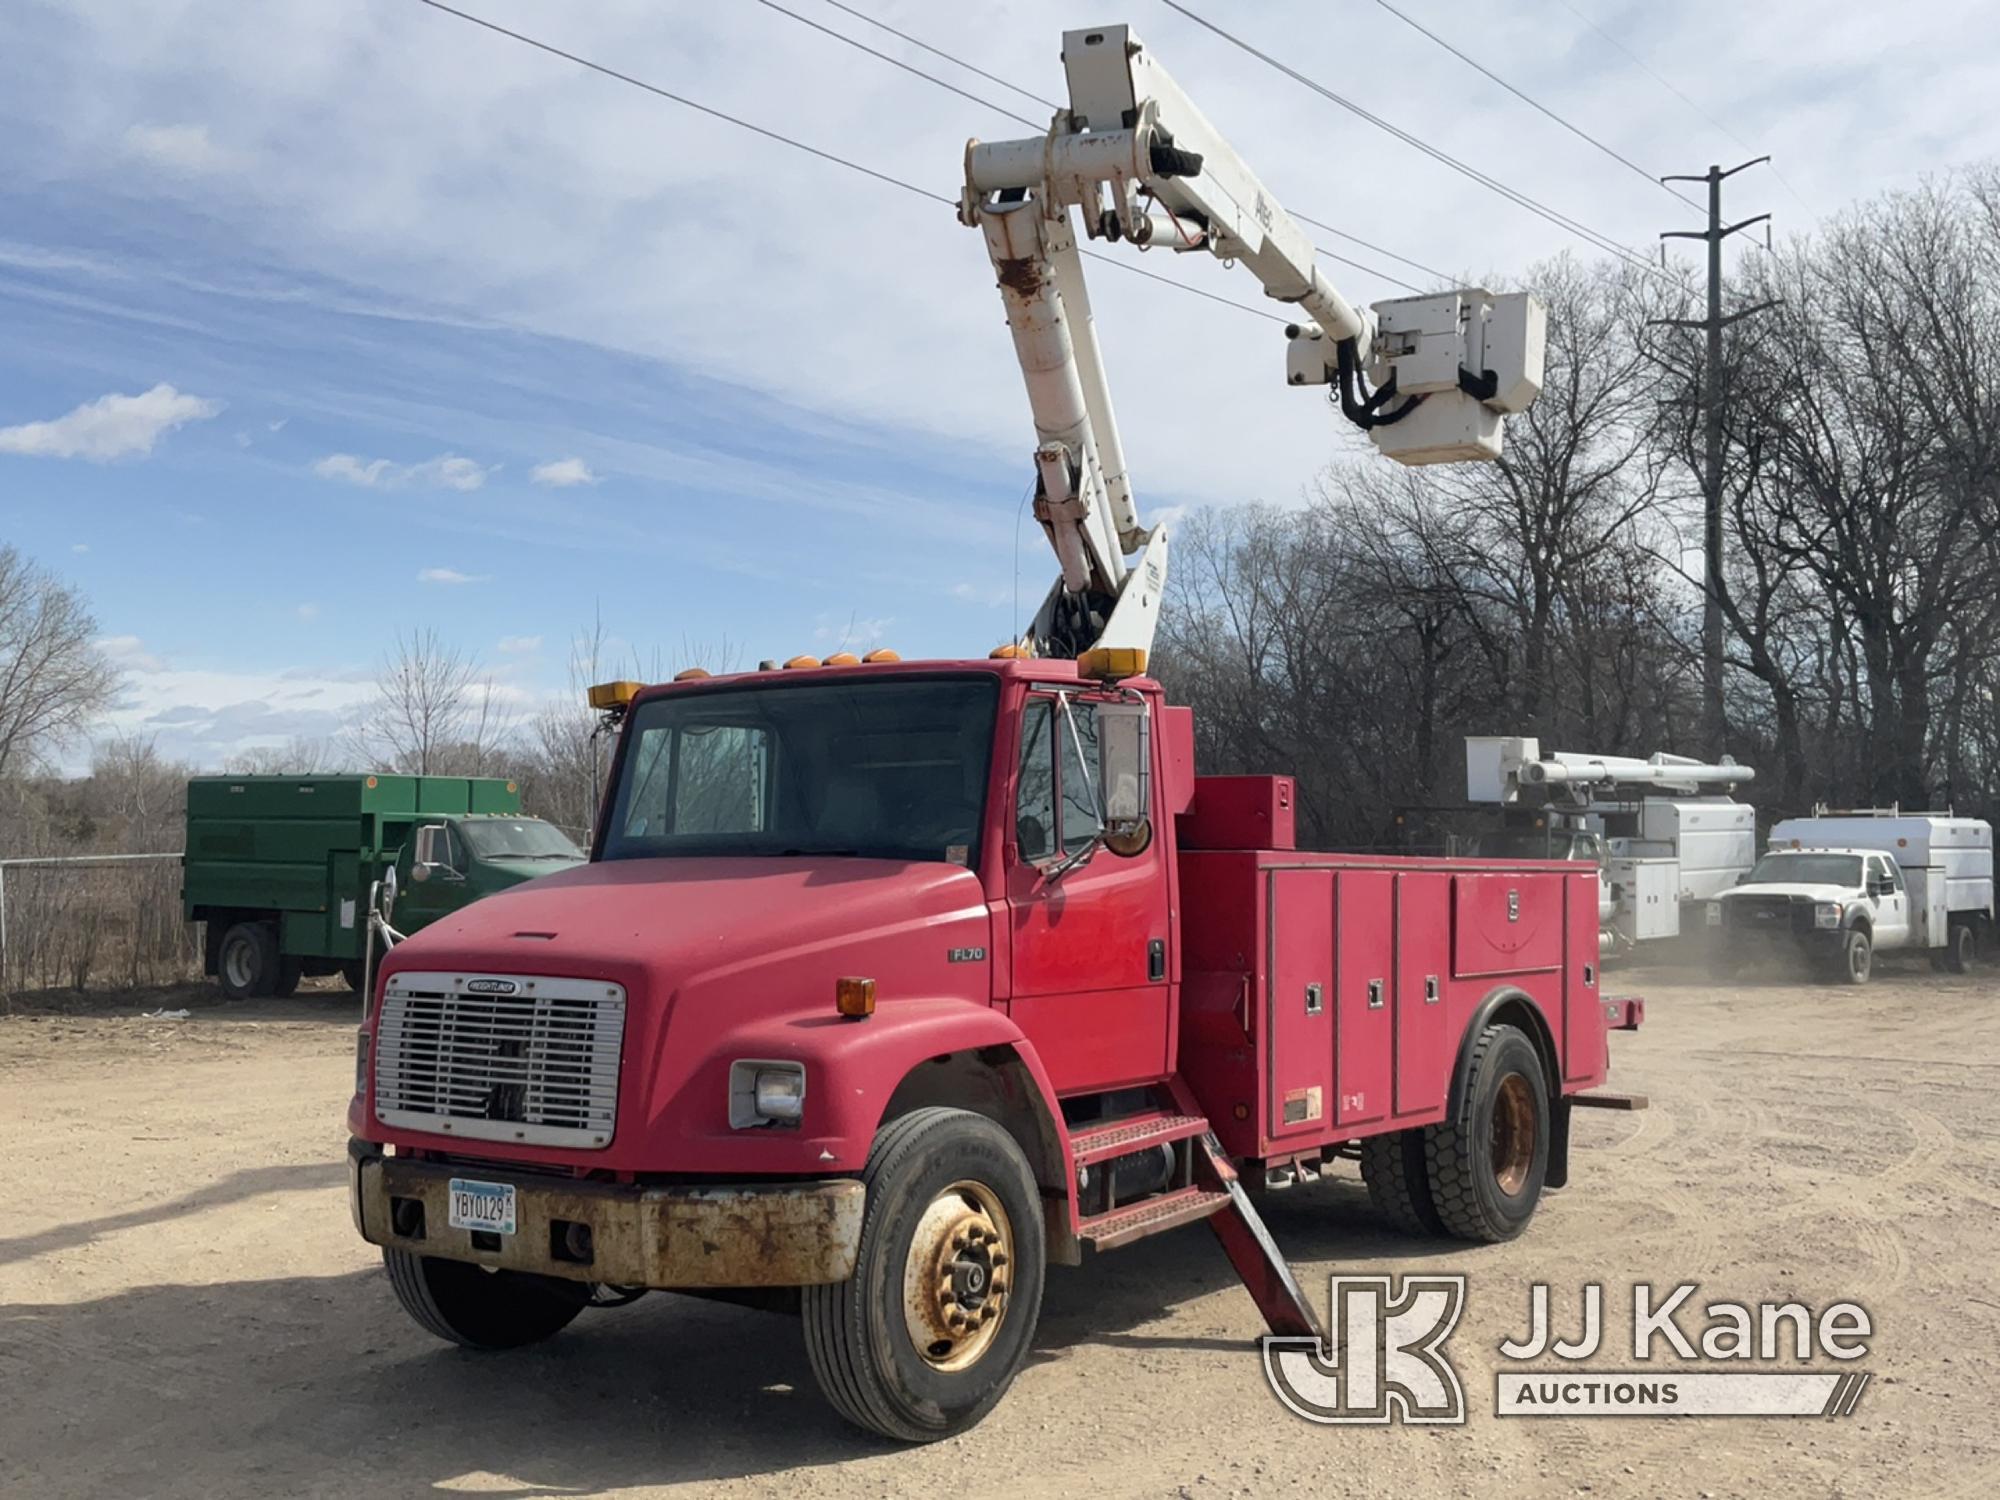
[
  {"x": 1151, "y": 1215},
  {"x": 1088, "y": 1144}
]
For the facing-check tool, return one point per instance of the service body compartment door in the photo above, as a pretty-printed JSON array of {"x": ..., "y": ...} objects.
[
  {"x": 1585, "y": 1052},
  {"x": 1423, "y": 947},
  {"x": 1298, "y": 1003},
  {"x": 1506, "y": 924},
  {"x": 1364, "y": 980}
]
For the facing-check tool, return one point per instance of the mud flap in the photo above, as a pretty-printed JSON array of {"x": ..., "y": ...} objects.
[
  {"x": 1557, "y": 1174},
  {"x": 1255, "y": 1255}
]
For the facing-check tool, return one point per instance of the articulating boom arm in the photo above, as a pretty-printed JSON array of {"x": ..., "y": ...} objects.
[{"x": 1140, "y": 163}]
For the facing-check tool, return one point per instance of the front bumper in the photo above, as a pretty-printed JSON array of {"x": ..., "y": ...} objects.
[{"x": 733, "y": 1234}]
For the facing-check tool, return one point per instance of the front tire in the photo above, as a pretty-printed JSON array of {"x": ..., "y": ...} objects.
[
  {"x": 927, "y": 1334},
  {"x": 1857, "y": 957},
  {"x": 247, "y": 963},
  {"x": 1487, "y": 1163},
  {"x": 476, "y": 1308}
]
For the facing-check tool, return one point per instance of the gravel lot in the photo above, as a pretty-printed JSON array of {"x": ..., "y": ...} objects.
[{"x": 185, "y": 1310}]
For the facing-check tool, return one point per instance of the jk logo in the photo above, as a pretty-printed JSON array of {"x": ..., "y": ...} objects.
[{"x": 1383, "y": 1361}]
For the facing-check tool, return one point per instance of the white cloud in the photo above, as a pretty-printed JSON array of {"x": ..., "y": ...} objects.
[
  {"x": 79, "y": 547},
  {"x": 307, "y": 611},
  {"x": 447, "y": 471},
  {"x": 181, "y": 148},
  {"x": 111, "y": 427},
  {"x": 519, "y": 645},
  {"x": 129, "y": 653},
  {"x": 561, "y": 473},
  {"x": 449, "y": 575}
]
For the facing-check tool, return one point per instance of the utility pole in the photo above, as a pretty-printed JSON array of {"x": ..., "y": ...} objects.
[{"x": 1712, "y": 396}]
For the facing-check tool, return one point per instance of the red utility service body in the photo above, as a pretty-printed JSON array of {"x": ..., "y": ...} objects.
[{"x": 1297, "y": 1000}]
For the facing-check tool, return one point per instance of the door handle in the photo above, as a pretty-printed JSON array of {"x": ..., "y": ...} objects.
[{"x": 1156, "y": 960}]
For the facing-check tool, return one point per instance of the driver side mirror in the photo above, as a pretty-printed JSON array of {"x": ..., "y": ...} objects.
[
  {"x": 1124, "y": 776},
  {"x": 432, "y": 855}
]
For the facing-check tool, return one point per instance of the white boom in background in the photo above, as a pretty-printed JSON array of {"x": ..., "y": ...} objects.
[{"x": 1431, "y": 379}]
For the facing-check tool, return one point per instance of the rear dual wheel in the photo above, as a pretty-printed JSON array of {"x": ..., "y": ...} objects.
[
  {"x": 1478, "y": 1175},
  {"x": 248, "y": 964}
]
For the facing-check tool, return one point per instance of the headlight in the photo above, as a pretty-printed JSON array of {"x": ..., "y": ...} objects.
[
  {"x": 360, "y": 1062},
  {"x": 766, "y": 1093},
  {"x": 1827, "y": 914}
]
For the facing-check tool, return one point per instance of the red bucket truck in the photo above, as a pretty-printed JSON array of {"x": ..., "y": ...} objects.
[{"x": 890, "y": 984}]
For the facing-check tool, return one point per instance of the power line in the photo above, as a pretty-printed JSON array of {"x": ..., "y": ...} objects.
[
  {"x": 953, "y": 57},
  {"x": 810, "y": 150},
  {"x": 1514, "y": 195},
  {"x": 897, "y": 62},
  {"x": 1641, "y": 64},
  {"x": 949, "y": 57},
  {"x": 1576, "y": 130}
]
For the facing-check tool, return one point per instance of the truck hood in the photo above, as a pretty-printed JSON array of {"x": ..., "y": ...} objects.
[
  {"x": 1792, "y": 889},
  {"x": 662, "y": 924},
  {"x": 730, "y": 959}
]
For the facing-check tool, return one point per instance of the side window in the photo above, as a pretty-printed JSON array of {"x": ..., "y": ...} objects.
[
  {"x": 1035, "y": 798},
  {"x": 1080, "y": 823},
  {"x": 719, "y": 785},
  {"x": 455, "y": 854}
]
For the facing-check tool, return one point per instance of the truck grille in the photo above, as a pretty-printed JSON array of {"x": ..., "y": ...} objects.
[
  {"x": 500, "y": 1057},
  {"x": 1772, "y": 914}
]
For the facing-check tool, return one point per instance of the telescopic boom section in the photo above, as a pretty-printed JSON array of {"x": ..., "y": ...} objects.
[{"x": 1140, "y": 163}]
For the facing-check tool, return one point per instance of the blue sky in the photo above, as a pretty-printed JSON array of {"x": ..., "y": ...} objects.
[{"x": 388, "y": 267}]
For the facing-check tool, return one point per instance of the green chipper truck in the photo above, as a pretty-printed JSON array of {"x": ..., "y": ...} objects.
[{"x": 280, "y": 867}]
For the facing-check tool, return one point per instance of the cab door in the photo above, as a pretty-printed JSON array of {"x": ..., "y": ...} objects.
[
  {"x": 1892, "y": 902},
  {"x": 1090, "y": 938}
]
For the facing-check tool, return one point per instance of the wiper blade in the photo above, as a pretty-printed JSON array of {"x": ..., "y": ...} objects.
[{"x": 827, "y": 853}]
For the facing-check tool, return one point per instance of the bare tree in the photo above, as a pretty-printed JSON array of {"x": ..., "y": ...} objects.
[
  {"x": 435, "y": 712},
  {"x": 53, "y": 681},
  {"x": 301, "y": 755}
]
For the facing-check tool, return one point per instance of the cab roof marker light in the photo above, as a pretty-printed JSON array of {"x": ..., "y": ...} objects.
[
  {"x": 880, "y": 654},
  {"x": 614, "y": 694}
]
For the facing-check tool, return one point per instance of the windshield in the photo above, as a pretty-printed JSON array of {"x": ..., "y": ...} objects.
[
  {"x": 1535, "y": 843},
  {"x": 893, "y": 768},
  {"x": 1806, "y": 869},
  {"x": 517, "y": 838}
]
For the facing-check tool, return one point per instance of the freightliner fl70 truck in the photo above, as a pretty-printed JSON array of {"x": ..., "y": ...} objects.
[
  {"x": 889, "y": 984},
  {"x": 279, "y": 867}
]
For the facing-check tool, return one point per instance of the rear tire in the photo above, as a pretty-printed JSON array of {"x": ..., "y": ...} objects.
[
  {"x": 1961, "y": 948},
  {"x": 1399, "y": 1183},
  {"x": 1487, "y": 1163},
  {"x": 953, "y": 1226},
  {"x": 286, "y": 984},
  {"x": 350, "y": 970},
  {"x": 246, "y": 962},
  {"x": 468, "y": 1305}
]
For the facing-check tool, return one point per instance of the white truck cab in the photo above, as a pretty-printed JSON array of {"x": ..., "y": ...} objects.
[{"x": 1837, "y": 888}]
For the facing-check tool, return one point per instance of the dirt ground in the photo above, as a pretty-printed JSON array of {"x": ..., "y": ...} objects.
[{"x": 185, "y": 1310}]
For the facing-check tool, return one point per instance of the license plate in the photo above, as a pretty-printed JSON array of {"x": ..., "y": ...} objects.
[{"x": 482, "y": 1205}]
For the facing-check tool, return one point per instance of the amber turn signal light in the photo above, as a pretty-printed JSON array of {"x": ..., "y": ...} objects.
[{"x": 854, "y": 998}]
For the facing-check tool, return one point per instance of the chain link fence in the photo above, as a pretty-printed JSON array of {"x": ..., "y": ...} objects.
[{"x": 93, "y": 921}]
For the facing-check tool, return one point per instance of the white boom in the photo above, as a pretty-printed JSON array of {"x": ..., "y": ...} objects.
[{"x": 1141, "y": 164}]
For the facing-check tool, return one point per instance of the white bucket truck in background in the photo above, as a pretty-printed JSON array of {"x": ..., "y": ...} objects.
[{"x": 1666, "y": 836}]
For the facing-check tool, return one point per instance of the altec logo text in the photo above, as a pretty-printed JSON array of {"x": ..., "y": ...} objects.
[{"x": 1384, "y": 1358}]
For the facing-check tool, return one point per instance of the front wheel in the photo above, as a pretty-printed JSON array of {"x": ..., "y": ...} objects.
[
  {"x": 480, "y": 1309},
  {"x": 1487, "y": 1163},
  {"x": 927, "y": 1334},
  {"x": 1857, "y": 957}
]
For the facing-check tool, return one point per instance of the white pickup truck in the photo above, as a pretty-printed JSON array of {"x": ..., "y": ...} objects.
[{"x": 1838, "y": 888}]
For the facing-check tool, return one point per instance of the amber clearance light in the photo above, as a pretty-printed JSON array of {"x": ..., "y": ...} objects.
[{"x": 854, "y": 998}]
